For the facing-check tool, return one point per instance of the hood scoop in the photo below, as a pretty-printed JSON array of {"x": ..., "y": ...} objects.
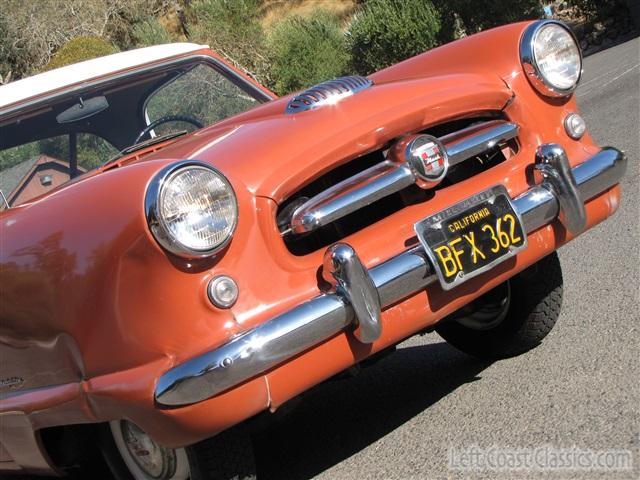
[{"x": 327, "y": 93}]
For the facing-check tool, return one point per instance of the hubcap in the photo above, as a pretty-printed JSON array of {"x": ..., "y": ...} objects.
[
  {"x": 488, "y": 311},
  {"x": 146, "y": 459},
  {"x": 154, "y": 460}
]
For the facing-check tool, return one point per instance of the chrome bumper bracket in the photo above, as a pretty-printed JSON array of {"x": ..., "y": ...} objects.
[
  {"x": 352, "y": 281},
  {"x": 553, "y": 164}
]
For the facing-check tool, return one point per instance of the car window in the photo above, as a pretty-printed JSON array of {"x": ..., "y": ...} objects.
[
  {"x": 92, "y": 151},
  {"x": 202, "y": 93},
  {"x": 34, "y": 168},
  {"x": 188, "y": 94}
]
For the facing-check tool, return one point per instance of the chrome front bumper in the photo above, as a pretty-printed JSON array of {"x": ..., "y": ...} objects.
[{"x": 360, "y": 293}]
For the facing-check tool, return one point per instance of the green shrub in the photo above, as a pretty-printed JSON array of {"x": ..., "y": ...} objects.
[
  {"x": 305, "y": 51},
  {"x": 387, "y": 31},
  {"x": 80, "y": 49},
  {"x": 150, "y": 32},
  {"x": 232, "y": 28}
]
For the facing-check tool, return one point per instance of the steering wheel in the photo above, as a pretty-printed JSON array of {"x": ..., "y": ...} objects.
[{"x": 169, "y": 118}]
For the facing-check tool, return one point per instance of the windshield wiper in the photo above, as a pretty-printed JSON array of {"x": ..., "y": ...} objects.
[{"x": 146, "y": 143}]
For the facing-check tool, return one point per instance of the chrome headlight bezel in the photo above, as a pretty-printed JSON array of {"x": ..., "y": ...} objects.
[
  {"x": 157, "y": 224},
  {"x": 530, "y": 64}
]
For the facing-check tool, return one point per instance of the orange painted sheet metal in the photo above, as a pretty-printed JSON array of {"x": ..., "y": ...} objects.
[
  {"x": 130, "y": 393},
  {"x": 128, "y": 311},
  {"x": 274, "y": 155}
]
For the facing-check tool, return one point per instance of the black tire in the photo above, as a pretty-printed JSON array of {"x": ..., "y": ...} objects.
[
  {"x": 226, "y": 456},
  {"x": 532, "y": 311}
]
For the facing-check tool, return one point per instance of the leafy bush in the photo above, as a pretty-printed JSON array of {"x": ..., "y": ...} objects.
[
  {"x": 305, "y": 51},
  {"x": 387, "y": 31},
  {"x": 150, "y": 32},
  {"x": 80, "y": 49},
  {"x": 232, "y": 28}
]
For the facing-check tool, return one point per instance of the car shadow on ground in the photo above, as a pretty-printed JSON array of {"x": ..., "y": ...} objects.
[{"x": 339, "y": 418}]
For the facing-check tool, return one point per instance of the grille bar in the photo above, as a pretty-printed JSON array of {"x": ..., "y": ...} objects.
[
  {"x": 476, "y": 139},
  {"x": 389, "y": 177}
]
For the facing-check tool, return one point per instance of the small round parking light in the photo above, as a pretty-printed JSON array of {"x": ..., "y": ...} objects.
[
  {"x": 223, "y": 291},
  {"x": 575, "y": 126}
]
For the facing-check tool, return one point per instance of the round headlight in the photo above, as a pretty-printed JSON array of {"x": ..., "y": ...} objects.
[
  {"x": 551, "y": 58},
  {"x": 191, "y": 209}
]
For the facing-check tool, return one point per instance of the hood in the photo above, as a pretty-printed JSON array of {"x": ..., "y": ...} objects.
[{"x": 274, "y": 153}]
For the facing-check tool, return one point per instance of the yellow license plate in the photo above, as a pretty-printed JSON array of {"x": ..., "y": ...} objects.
[{"x": 472, "y": 236}]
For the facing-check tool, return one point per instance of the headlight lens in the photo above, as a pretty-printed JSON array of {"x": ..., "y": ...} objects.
[
  {"x": 191, "y": 209},
  {"x": 557, "y": 56},
  {"x": 551, "y": 58}
]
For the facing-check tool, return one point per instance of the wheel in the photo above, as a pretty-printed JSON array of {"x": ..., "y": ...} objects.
[
  {"x": 131, "y": 454},
  {"x": 513, "y": 317}
]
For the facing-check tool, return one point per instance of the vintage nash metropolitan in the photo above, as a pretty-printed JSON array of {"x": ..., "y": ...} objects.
[{"x": 183, "y": 251}]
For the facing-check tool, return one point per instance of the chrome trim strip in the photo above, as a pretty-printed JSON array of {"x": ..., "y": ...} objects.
[
  {"x": 605, "y": 168},
  {"x": 255, "y": 351},
  {"x": 316, "y": 320},
  {"x": 389, "y": 177},
  {"x": 350, "y": 195},
  {"x": 537, "y": 207},
  {"x": 476, "y": 139}
]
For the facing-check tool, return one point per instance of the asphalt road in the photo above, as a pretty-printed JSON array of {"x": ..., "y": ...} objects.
[{"x": 400, "y": 418}]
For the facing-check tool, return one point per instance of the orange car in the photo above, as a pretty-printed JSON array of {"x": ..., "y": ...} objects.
[{"x": 181, "y": 250}]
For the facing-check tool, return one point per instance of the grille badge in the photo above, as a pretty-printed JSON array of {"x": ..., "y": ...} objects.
[
  {"x": 425, "y": 155},
  {"x": 428, "y": 157}
]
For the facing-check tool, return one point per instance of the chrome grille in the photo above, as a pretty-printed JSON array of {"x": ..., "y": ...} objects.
[
  {"x": 327, "y": 93},
  {"x": 372, "y": 187}
]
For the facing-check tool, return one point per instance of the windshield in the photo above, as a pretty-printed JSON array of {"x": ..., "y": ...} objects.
[{"x": 71, "y": 134}]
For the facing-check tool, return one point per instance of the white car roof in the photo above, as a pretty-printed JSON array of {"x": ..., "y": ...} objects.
[{"x": 36, "y": 85}]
